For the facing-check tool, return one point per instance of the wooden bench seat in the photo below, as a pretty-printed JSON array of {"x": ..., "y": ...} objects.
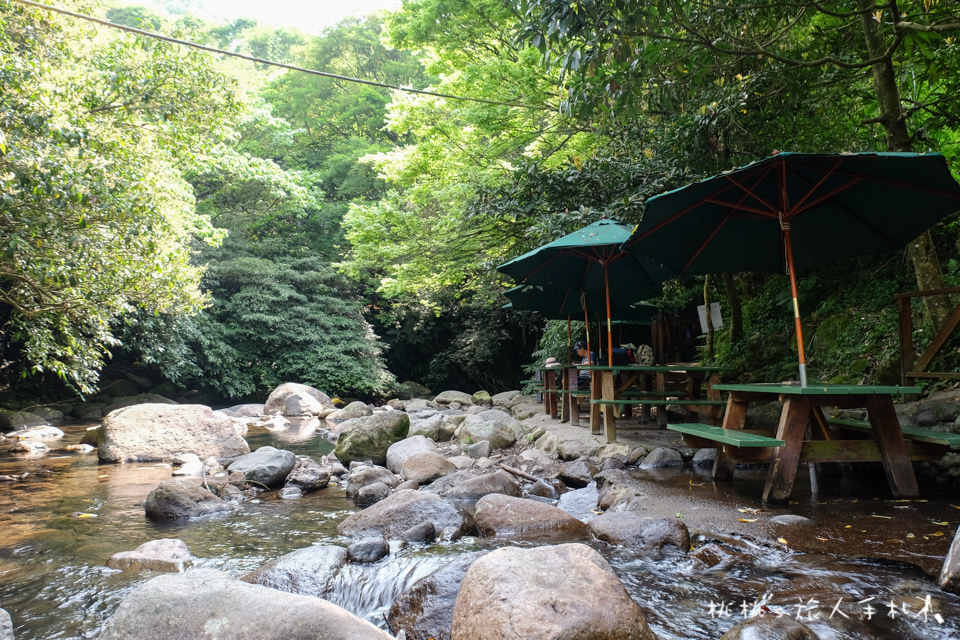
[
  {"x": 724, "y": 436},
  {"x": 909, "y": 433}
]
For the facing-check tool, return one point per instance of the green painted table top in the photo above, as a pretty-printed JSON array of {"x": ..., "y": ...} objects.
[
  {"x": 653, "y": 368},
  {"x": 818, "y": 389}
]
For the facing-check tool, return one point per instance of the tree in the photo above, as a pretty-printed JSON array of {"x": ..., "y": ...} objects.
[
  {"x": 95, "y": 217},
  {"x": 626, "y": 59}
]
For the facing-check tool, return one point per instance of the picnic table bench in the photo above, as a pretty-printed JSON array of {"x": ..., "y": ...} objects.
[{"x": 804, "y": 434}]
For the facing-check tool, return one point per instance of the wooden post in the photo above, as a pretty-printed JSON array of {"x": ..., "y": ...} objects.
[{"x": 906, "y": 340}]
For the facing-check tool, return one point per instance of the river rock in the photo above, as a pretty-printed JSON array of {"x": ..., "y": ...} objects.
[
  {"x": 500, "y": 428},
  {"x": 770, "y": 628},
  {"x": 30, "y": 448},
  {"x": 425, "y": 610},
  {"x": 423, "y": 532},
  {"x": 400, "y": 452},
  {"x": 308, "y": 475},
  {"x": 451, "y": 397},
  {"x": 309, "y": 571},
  {"x": 120, "y": 402},
  {"x": 6, "y": 625},
  {"x": 294, "y": 399},
  {"x": 950, "y": 573},
  {"x": 500, "y": 515},
  {"x": 482, "y": 398},
  {"x": 629, "y": 528},
  {"x": 205, "y": 604},
  {"x": 182, "y": 498},
  {"x": 394, "y": 515},
  {"x": 662, "y": 457},
  {"x": 52, "y": 415},
  {"x": 366, "y": 475},
  {"x": 369, "y": 437},
  {"x": 479, "y": 449},
  {"x": 368, "y": 550},
  {"x": 37, "y": 432},
  {"x": 413, "y": 389},
  {"x": 162, "y": 432},
  {"x": 371, "y": 494},
  {"x": 431, "y": 424},
  {"x": 542, "y": 593},
  {"x": 425, "y": 467},
  {"x": 12, "y": 420},
  {"x": 249, "y": 410},
  {"x": 166, "y": 554},
  {"x": 355, "y": 409},
  {"x": 474, "y": 488},
  {"x": 267, "y": 466},
  {"x": 578, "y": 473}
]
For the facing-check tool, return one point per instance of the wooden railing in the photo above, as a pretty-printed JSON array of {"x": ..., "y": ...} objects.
[{"x": 908, "y": 368}]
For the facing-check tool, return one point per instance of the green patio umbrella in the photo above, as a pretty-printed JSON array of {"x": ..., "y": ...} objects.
[
  {"x": 590, "y": 259},
  {"x": 796, "y": 210}
]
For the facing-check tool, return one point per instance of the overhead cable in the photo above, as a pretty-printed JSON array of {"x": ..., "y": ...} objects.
[{"x": 325, "y": 74}]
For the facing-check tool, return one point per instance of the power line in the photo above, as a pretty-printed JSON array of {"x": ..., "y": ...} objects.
[{"x": 325, "y": 74}]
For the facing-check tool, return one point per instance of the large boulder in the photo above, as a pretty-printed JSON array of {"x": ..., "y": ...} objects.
[
  {"x": 37, "y": 432},
  {"x": 12, "y": 420},
  {"x": 267, "y": 466},
  {"x": 425, "y": 610},
  {"x": 399, "y": 452},
  {"x": 309, "y": 571},
  {"x": 294, "y": 399},
  {"x": 500, "y": 515},
  {"x": 355, "y": 409},
  {"x": 166, "y": 554},
  {"x": 474, "y": 488},
  {"x": 164, "y": 432},
  {"x": 182, "y": 498},
  {"x": 404, "y": 509},
  {"x": 558, "y": 592},
  {"x": 369, "y": 437},
  {"x": 451, "y": 397},
  {"x": 205, "y": 604},
  {"x": 500, "y": 428},
  {"x": 630, "y": 528},
  {"x": 425, "y": 467}
]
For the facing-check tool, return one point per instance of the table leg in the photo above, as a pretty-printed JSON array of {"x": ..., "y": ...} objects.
[
  {"x": 645, "y": 409},
  {"x": 596, "y": 393},
  {"x": 896, "y": 458},
  {"x": 792, "y": 428},
  {"x": 550, "y": 393},
  {"x": 734, "y": 419},
  {"x": 662, "y": 390},
  {"x": 573, "y": 404},
  {"x": 608, "y": 392}
]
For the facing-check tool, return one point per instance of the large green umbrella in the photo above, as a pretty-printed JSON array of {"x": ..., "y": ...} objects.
[
  {"x": 590, "y": 259},
  {"x": 795, "y": 210}
]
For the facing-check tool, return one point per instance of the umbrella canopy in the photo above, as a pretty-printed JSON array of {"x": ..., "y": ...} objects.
[
  {"x": 590, "y": 259},
  {"x": 562, "y": 303},
  {"x": 796, "y": 210}
]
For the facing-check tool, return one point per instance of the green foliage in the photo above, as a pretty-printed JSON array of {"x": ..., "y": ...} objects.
[{"x": 95, "y": 216}]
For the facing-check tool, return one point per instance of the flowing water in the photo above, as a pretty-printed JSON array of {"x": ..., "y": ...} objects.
[{"x": 64, "y": 515}]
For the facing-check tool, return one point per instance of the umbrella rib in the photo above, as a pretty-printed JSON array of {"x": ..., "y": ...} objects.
[
  {"x": 798, "y": 207},
  {"x": 703, "y": 246}
]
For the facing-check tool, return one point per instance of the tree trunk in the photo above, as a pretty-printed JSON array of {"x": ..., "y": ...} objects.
[
  {"x": 706, "y": 315},
  {"x": 926, "y": 265},
  {"x": 736, "y": 308}
]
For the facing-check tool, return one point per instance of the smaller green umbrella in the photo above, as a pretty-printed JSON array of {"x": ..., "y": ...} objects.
[
  {"x": 562, "y": 303},
  {"x": 590, "y": 259}
]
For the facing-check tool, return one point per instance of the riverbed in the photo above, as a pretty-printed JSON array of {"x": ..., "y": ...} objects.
[{"x": 865, "y": 568}]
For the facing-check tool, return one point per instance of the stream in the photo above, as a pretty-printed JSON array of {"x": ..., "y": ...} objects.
[{"x": 64, "y": 515}]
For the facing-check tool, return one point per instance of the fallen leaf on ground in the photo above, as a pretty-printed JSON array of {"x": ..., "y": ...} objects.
[{"x": 748, "y": 519}]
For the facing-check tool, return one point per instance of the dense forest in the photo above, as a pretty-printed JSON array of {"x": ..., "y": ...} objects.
[{"x": 221, "y": 225}]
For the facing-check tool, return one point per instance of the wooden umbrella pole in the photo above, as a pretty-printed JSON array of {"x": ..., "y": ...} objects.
[
  {"x": 785, "y": 226},
  {"x": 586, "y": 320},
  {"x": 606, "y": 286}
]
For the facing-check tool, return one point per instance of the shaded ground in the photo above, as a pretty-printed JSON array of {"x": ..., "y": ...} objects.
[{"x": 852, "y": 515}]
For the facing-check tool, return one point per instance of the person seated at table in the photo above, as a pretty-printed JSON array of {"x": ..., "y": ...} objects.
[{"x": 586, "y": 357}]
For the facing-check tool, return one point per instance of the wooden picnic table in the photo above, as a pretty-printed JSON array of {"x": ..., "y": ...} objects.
[
  {"x": 794, "y": 443},
  {"x": 646, "y": 386}
]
